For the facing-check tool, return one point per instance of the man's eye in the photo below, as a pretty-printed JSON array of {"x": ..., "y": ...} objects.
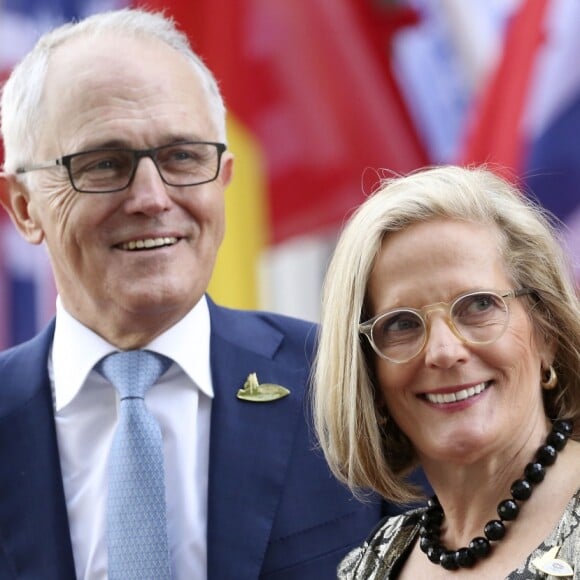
[
  {"x": 187, "y": 156},
  {"x": 100, "y": 162},
  {"x": 103, "y": 164},
  {"x": 184, "y": 155}
]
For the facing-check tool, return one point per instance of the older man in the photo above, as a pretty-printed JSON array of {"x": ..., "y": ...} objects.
[{"x": 115, "y": 158}]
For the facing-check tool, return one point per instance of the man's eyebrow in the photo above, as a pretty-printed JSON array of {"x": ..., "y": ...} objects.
[
  {"x": 109, "y": 144},
  {"x": 123, "y": 144}
]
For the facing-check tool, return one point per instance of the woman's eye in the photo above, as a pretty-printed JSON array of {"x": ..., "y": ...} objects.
[{"x": 400, "y": 323}]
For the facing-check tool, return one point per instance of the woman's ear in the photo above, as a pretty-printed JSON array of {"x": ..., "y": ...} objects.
[
  {"x": 547, "y": 347},
  {"x": 16, "y": 200}
]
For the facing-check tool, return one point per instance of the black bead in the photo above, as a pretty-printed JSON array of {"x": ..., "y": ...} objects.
[
  {"x": 480, "y": 547},
  {"x": 447, "y": 560},
  {"x": 431, "y": 518},
  {"x": 494, "y": 530},
  {"x": 464, "y": 558},
  {"x": 557, "y": 440},
  {"x": 433, "y": 502},
  {"x": 546, "y": 455},
  {"x": 563, "y": 426},
  {"x": 508, "y": 510},
  {"x": 521, "y": 489},
  {"x": 426, "y": 542},
  {"x": 534, "y": 472},
  {"x": 434, "y": 553}
]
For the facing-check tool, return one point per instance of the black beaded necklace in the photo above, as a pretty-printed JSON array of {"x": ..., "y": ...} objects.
[{"x": 507, "y": 509}]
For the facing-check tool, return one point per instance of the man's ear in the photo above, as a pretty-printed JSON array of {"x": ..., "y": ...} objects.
[
  {"x": 227, "y": 168},
  {"x": 15, "y": 198}
]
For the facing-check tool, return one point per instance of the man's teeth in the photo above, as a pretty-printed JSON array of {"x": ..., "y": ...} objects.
[
  {"x": 458, "y": 396},
  {"x": 148, "y": 243}
]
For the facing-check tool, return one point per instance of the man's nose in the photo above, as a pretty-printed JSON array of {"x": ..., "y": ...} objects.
[{"x": 147, "y": 193}]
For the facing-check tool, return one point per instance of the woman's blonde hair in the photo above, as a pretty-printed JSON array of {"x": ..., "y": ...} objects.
[{"x": 363, "y": 448}]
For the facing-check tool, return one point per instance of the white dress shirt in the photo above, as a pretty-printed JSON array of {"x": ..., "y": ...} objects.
[{"x": 86, "y": 416}]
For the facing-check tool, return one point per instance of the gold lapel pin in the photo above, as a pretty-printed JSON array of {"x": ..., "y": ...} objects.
[
  {"x": 260, "y": 393},
  {"x": 549, "y": 564}
]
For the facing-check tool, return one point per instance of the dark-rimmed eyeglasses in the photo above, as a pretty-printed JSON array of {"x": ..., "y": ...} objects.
[
  {"x": 111, "y": 169},
  {"x": 479, "y": 317}
]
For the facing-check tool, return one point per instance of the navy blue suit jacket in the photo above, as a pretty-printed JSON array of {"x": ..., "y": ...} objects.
[{"x": 275, "y": 512}]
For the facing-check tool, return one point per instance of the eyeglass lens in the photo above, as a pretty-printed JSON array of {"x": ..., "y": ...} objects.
[
  {"x": 477, "y": 318},
  {"x": 109, "y": 169}
]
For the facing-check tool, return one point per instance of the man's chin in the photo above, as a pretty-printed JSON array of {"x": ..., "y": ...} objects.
[{"x": 151, "y": 302}]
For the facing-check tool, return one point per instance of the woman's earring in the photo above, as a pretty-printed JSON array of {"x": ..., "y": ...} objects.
[
  {"x": 551, "y": 380},
  {"x": 381, "y": 418}
]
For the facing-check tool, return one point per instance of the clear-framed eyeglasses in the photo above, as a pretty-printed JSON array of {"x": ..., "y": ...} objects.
[
  {"x": 479, "y": 317},
  {"x": 111, "y": 169}
]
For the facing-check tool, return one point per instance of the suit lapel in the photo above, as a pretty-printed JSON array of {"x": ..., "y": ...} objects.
[
  {"x": 32, "y": 503},
  {"x": 251, "y": 443}
]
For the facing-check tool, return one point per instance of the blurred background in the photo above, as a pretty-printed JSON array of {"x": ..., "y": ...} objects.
[{"x": 327, "y": 96}]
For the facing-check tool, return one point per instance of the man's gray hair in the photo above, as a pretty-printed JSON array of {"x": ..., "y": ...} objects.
[{"x": 21, "y": 103}]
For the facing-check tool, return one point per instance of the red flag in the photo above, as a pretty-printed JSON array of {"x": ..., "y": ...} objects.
[
  {"x": 310, "y": 81},
  {"x": 495, "y": 132}
]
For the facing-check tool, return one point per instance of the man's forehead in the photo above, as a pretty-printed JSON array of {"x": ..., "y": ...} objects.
[
  {"x": 114, "y": 49},
  {"x": 105, "y": 87},
  {"x": 122, "y": 66}
]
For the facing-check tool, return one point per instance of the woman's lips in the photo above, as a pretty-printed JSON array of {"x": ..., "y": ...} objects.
[{"x": 462, "y": 395}]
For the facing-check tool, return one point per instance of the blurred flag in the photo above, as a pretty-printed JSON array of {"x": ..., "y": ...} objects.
[
  {"x": 441, "y": 62},
  {"x": 495, "y": 129},
  {"x": 528, "y": 118},
  {"x": 27, "y": 292},
  {"x": 552, "y": 165},
  {"x": 314, "y": 115},
  {"x": 312, "y": 97}
]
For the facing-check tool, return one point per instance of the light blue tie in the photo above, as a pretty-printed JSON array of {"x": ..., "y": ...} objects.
[{"x": 136, "y": 512}]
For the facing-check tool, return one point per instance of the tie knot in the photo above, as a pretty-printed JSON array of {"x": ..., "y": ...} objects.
[{"x": 133, "y": 372}]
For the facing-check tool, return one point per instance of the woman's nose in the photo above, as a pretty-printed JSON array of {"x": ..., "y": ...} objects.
[{"x": 443, "y": 347}]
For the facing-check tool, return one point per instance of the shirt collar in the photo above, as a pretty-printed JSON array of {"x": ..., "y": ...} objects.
[{"x": 76, "y": 349}]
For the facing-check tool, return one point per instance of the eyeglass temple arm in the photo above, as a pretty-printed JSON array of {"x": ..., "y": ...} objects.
[
  {"x": 525, "y": 292},
  {"x": 38, "y": 166}
]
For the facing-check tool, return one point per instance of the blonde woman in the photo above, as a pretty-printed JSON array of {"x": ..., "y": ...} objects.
[{"x": 450, "y": 339}]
